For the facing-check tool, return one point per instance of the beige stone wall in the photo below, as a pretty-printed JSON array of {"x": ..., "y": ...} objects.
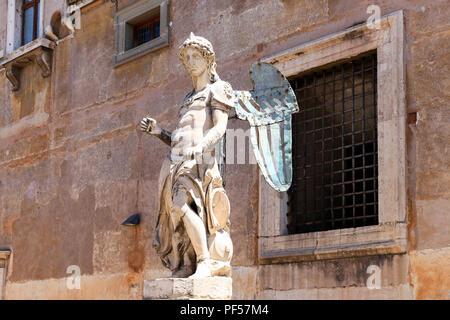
[{"x": 73, "y": 165}]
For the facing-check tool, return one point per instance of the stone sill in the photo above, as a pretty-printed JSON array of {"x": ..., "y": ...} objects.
[
  {"x": 139, "y": 51},
  {"x": 28, "y": 48},
  {"x": 332, "y": 253},
  {"x": 334, "y": 244}
]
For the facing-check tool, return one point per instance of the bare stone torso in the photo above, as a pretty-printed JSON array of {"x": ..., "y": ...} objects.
[{"x": 194, "y": 121}]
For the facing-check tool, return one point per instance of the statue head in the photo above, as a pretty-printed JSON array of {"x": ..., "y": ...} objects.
[{"x": 199, "y": 47}]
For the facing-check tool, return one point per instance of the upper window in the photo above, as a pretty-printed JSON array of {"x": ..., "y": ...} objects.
[
  {"x": 147, "y": 30},
  {"x": 30, "y": 20},
  {"x": 25, "y": 44},
  {"x": 24, "y": 23},
  {"x": 141, "y": 28},
  {"x": 335, "y": 147}
]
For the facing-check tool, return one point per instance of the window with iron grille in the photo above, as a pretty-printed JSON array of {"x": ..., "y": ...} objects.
[
  {"x": 30, "y": 20},
  {"x": 146, "y": 30},
  {"x": 141, "y": 27},
  {"x": 335, "y": 147}
]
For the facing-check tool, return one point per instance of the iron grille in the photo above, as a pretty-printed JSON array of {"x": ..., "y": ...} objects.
[
  {"x": 335, "y": 147},
  {"x": 146, "y": 31}
]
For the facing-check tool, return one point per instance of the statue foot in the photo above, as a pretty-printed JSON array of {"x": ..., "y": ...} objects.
[
  {"x": 203, "y": 269},
  {"x": 183, "y": 272},
  {"x": 212, "y": 268}
]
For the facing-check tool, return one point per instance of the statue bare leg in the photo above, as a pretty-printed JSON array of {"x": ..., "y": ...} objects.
[{"x": 196, "y": 231}]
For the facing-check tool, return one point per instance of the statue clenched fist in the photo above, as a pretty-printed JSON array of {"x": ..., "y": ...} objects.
[{"x": 149, "y": 125}]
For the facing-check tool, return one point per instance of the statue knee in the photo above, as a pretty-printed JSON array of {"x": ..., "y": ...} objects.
[{"x": 179, "y": 204}]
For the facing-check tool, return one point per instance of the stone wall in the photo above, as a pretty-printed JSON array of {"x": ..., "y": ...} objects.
[{"x": 73, "y": 165}]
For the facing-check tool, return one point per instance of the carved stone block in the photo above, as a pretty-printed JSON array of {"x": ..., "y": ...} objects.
[
  {"x": 44, "y": 61},
  {"x": 210, "y": 288},
  {"x": 12, "y": 74}
]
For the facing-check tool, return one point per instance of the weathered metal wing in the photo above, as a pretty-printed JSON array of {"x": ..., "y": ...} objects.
[{"x": 268, "y": 109}]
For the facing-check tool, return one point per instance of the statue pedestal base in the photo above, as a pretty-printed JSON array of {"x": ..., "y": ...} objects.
[{"x": 210, "y": 288}]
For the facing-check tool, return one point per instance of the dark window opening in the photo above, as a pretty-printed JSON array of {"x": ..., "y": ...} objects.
[
  {"x": 335, "y": 170},
  {"x": 146, "y": 30},
  {"x": 30, "y": 20}
]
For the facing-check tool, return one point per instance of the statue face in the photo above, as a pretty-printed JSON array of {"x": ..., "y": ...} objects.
[{"x": 194, "y": 62}]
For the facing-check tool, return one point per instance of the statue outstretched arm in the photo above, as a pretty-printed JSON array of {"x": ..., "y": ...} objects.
[{"x": 149, "y": 125}]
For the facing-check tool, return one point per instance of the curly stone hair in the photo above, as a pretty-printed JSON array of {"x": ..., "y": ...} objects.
[{"x": 206, "y": 49}]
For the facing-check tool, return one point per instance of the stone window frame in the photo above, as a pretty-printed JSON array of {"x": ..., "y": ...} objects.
[
  {"x": 4, "y": 259},
  {"x": 121, "y": 19},
  {"x": 390, "y": 235},
  {"x": 14, "y": 25}
]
